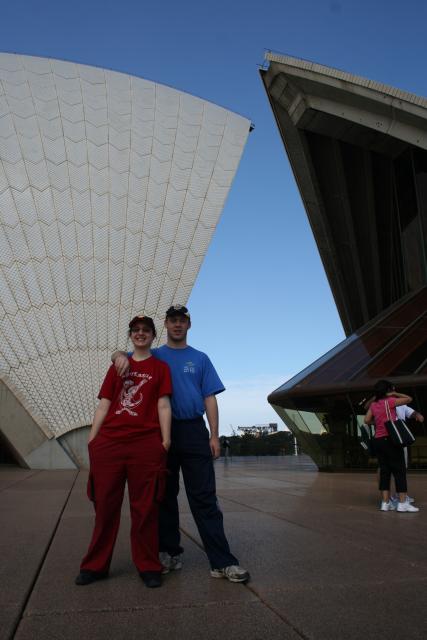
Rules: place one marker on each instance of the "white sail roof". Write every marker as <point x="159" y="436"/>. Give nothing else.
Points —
<point x="111" y="187"/>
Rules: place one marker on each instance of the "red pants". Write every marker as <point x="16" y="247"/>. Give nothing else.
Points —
<point x="140" y="460"/>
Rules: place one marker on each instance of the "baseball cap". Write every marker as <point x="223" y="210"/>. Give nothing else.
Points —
<point x="177" y="310"/>
<point x="144" y="320"/>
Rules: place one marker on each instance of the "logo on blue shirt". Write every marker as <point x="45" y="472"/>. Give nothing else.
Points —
<point x="189" y="367"/>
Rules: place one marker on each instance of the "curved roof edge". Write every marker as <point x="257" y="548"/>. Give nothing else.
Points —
<point x="337" y="74"/>
<point x="131" y="75"/>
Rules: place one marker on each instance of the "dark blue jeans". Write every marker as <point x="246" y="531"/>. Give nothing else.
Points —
<point x="190" y="452"/>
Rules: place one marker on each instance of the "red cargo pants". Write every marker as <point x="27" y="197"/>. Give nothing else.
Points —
<point x="141" y="461"/>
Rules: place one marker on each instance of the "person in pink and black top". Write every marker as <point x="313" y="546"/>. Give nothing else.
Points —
<point x="391" y="458"/>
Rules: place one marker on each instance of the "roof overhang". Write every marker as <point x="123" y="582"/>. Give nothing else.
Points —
<point x="309" y="100"/>
<point x="299" y="86"/>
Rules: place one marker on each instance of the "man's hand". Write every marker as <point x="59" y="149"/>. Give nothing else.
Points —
<point x="419" y="417"/>
<point x="211" y="407"/>
<point x="215" y="446"/>
<point x="121" y="362"/>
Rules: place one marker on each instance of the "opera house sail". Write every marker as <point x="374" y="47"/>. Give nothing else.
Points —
<point x="358" y="150"/>
<point x="111" y="187"/>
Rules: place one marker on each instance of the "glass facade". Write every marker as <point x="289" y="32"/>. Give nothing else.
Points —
<point x="332" y="437"/>
<point x="324" y="405"/>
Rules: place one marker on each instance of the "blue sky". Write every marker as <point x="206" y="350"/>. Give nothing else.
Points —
<point x="261" y="306"/>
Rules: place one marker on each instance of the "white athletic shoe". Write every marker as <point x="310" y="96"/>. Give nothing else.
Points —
<point x="234" y="573"/>
<point x="170" y="563"/>
<point x="407" y="507"/>
<point x="387" y="506"/>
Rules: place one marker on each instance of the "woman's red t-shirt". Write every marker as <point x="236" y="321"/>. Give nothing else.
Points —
<point x="134" y="398"/>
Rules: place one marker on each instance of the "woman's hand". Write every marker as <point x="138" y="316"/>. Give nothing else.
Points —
<point x="99" y="417"/>
<point x="166" y="444"/>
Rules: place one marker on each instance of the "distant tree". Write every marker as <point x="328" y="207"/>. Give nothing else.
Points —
<point x="279" y="443"/>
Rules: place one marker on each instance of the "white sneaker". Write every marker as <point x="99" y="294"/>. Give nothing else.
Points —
<point x="387" y="506"/>
<point x="234" y="573"/>
<point x="406" y="507"/>
<point x="170" y="563"/>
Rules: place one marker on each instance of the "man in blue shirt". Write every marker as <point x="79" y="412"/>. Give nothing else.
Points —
<point x="195" y="384"/>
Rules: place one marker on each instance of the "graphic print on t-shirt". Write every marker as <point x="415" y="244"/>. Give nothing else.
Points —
<point x="189" y="367"/>
<point x="131" y="395"/>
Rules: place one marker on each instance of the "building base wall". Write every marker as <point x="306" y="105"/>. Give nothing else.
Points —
<point x="26" y="436"/>
<point x="75" y="444"/>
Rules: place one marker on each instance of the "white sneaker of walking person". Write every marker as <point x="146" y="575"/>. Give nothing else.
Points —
<point x="233" y="573"/>
<point x="387" y="506"/>
<point x="406" y="507"/>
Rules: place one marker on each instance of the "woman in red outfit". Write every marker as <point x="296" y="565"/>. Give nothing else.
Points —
<point x="391" y="458"/>
<point x="128" y="441"/>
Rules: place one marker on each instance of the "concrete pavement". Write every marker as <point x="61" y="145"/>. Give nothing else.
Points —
<point x="325" y="563"/>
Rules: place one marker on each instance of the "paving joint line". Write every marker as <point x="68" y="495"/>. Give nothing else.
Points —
<point x="279" y="517"/>
<point x="342" y="504"/>
<point x="281" y="616"/>
<point x="43" y="558"/>
<point x="268" y="513"/>
<point x="259" y="598"/>
<point x="244" y="476"/>
<point x="20" y="480"/>
<point x="148" y="607"/>
<point x="283" y="492"/>
<point x="360" y="546"/>
<point x="250" y="588"/>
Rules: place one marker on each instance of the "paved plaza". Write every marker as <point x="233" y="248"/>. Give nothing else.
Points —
<point x="325" y="563"/>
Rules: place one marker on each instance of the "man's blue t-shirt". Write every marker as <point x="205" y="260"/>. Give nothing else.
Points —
<point x="193" y="379"/>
